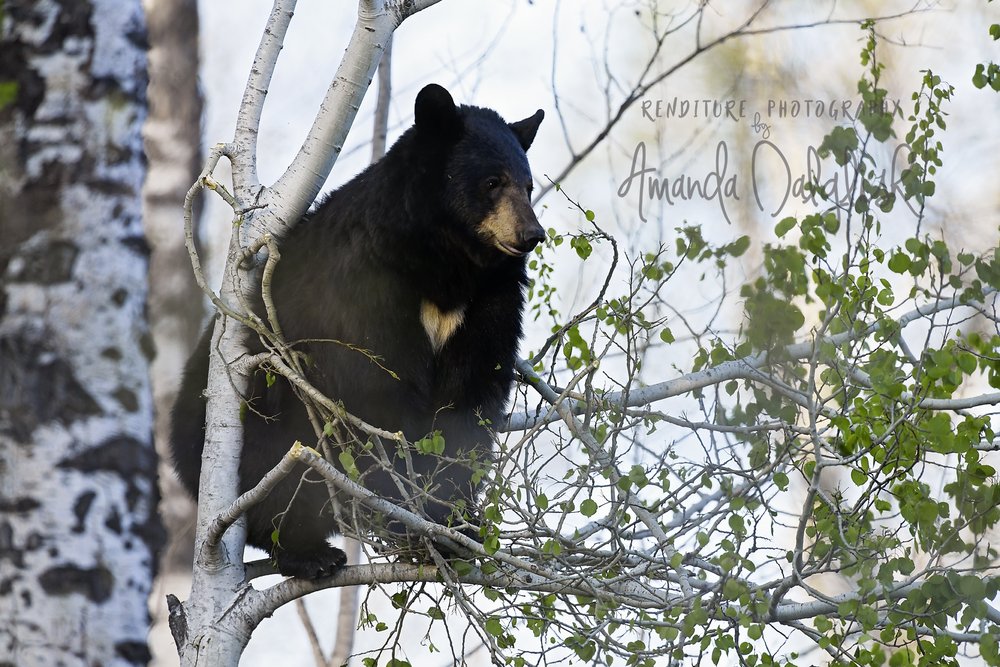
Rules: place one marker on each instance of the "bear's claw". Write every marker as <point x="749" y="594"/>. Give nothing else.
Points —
<point x="315" y="565"/>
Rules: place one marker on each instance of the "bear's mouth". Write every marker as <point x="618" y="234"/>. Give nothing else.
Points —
<point x="509" y="250"/>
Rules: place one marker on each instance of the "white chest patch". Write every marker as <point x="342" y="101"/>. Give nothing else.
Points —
<point x="440" y="325"/>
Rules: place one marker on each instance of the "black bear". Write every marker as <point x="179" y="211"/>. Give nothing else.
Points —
<point x="416" y="266"/>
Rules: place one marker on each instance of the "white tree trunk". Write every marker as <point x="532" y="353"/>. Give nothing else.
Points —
<point x="78" y="523"/>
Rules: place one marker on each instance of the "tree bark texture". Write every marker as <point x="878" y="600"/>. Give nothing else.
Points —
<point x="79" y="531"/>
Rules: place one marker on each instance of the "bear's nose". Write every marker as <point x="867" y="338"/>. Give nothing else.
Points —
<point x="532" y="236"/>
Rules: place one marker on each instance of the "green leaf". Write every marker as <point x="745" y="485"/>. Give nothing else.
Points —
<point x="582" y="246"/>
<point x="491" y="544"/>
<point x="493" y="627"/>
<point x="967" y="362"/>
<point x="899" y="263"/>
<point x="841" y="142"/>
<point x="667" y="336"/>
<point x="781" y="480"/>
<point x="979" y="79"/>
<point x="348" y="464"/>
<point x="431" y="444"/>
<point x="785" y="226"/>
<point x="972" y="587"/>
<point x="990" y="648"/>
<point x="588" y="508"/>
<point x="739" y="246"/>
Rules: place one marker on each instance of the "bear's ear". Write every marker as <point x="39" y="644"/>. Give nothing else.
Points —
<point x="435" y="111"/>
<point x="526" y="129"/>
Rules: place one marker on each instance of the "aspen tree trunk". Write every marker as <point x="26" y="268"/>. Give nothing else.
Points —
<point x="78" y="525"/>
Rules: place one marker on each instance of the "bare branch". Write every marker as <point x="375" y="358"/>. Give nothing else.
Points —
<point x="243" y="150"/>
<point x="299" y="185"/>
<point x="253" y="496"/>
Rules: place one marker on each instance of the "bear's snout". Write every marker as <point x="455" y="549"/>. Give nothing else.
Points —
<point x="512" y="227"/>
<point x="531" y="235"/>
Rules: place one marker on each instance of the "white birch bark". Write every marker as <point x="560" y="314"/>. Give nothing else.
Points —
<point x="78" y="523"/>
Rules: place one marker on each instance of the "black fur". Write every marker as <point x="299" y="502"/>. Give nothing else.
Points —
<point x="356" y="270"/>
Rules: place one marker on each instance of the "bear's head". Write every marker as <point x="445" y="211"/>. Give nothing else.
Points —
<point x="487" y="181"/>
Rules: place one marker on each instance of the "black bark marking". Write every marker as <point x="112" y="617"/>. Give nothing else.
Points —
<point x="30" y="210"/>
<point x="73" y="20"/>
<point x="137" y="244"/>
<point x="95" y="583"/>
<point x="37" y="387"/>
<point x="153" y="534"/>
<point x="48" y="264"/>
<point x="133" y="462"/>
<point x="136" y="653"/>
<point x="114" y="521"/>
<point x="34" y="542"/>
<point x="21" y="505"/>
<point x="7" y="548"/>
<point x="81" y="508"/>
<point x="127" y="399"/>
<point x="147" y="347"/>
<point x="122" y="455"/>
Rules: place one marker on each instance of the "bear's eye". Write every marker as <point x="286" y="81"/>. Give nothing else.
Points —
<point x="492" y="183"/>
<point x="530" y="188"/>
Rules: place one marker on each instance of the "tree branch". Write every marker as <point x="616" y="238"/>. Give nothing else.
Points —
<point x="749" y="368"/>
<point x="295" y="190"/>
<point x="243" y="150"/>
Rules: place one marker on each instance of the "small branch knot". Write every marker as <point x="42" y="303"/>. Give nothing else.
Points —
<point x="177" y="620"/>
